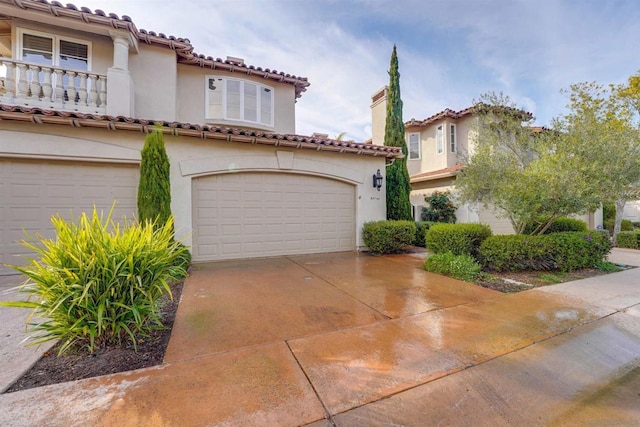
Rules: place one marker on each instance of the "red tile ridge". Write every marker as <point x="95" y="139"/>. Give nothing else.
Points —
<point x="76" y="119"/>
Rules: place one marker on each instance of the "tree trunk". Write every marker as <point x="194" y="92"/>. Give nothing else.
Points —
<point x="619" y="212"/>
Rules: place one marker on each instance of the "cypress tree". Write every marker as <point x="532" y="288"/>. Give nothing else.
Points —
<point x="398" y="185"/>
<point x="154" y="189"/>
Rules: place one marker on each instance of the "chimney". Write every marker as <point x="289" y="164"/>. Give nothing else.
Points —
<point x="235" y="61"/>
<point x="378" y="115"/>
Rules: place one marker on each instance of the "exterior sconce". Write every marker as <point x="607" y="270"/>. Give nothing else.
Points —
<point x="377" y="180"/>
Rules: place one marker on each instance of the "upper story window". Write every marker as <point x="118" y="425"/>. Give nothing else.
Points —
<point x="414" y="146"/>
<point x="47" y="49"/>
<point x="452" y="138"/>
<point x="240" y="100"/>
<point x="439" y="140"/>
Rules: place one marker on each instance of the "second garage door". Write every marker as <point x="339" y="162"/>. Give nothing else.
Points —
<point x="247" y="215"/>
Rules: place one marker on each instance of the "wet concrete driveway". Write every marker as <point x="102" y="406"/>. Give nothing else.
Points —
<point x="349" y="339"/>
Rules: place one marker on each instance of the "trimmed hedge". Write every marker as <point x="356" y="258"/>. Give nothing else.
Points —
<point x="628" y="239"/>
<point x="462" y="267"/>
<point x="561" y="225"/>
<point x="459" y="239"/>
<point x="557" y="251"/>
<point x="388" y="237"/>
<point x="421" y="230"/>
<point x="625" y="225"/>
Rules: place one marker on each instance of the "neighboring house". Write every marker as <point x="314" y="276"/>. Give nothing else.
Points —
<point x="437" y="147"/>
<point x="78" y="91"/>
<point x="632" y="211"/>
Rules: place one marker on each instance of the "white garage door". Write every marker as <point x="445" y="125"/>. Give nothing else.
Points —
<point x="247" y="215"/>
<point x="498" y="225"/>
<point x="33" y="190"/>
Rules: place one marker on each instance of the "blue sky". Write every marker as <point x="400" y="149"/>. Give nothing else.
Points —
<point x="450" y="51"/>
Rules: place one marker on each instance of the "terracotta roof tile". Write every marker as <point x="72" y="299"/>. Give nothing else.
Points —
<point x="440" y="173"/>
<point x="75" y="119"/>
<point x="181" y="46"/>
<point x="448" y="113"/>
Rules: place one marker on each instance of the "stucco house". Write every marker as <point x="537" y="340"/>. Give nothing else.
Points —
<point x="437" y="146"/>
<point x="80" y="88"/>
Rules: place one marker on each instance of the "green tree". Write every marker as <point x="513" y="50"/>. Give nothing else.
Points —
<point x="398" y="185"/>
<point x="518" y="171"/>
<point x="601" y="132"/>
<point x="439" y="208"/>
<point x="154" y="189"/>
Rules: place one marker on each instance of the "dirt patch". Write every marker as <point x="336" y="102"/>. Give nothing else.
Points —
<point x="53" y="369"/>
<point x="512" y="282"/>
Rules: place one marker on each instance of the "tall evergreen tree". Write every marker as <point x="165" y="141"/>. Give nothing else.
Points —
<point x="154" y="189"/>
<point x="398" y="186"/>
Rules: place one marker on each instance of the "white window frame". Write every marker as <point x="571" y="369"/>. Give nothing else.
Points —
<point x="452" y="138"/>
<point x="440" y="139"/>
<point x="417" y="141"/>
<point x="260" y="88"/>
<point x="56" y="46"/>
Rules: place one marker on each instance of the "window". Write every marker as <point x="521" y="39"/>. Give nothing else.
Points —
<point x="414" y="146"/>
<point x="240" y="100"/>
<point x="439" y="140"/>
<point x="452" y="138"/>
<point x="46" y="49"/>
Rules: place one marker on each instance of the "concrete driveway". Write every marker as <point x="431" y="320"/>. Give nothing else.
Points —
<point x="349" y="339"/>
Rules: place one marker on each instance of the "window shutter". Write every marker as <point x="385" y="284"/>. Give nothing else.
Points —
<point x="75" y="50"/>
<point x="37" y="43"/>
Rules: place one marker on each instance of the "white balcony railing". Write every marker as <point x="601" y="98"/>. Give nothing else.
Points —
<point x="50" y="87"/>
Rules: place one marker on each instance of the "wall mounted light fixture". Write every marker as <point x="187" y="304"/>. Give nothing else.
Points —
<point x="377" y="180"/>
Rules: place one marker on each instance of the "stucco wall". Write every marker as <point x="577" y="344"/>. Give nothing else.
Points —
<point x="191" y="88"/>
<point x="192" y="157"/>
<point x="153" y="71"/>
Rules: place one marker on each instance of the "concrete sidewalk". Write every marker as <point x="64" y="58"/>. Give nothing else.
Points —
<point x="348" y="339"/>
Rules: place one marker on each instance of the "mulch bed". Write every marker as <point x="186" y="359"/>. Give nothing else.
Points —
<point x="512" y="282"/>
<point x="53" y="369"/>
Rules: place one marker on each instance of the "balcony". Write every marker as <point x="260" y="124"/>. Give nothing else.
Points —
<point x="54" y="88"/>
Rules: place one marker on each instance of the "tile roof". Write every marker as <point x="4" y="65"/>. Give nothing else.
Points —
<point x="181" y="46"/>
<point x="437" y="174"/>
<point x="448" y="113"/>
<point x="75" y="119"/>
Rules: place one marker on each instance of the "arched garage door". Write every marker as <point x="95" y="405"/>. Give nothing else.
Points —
<point x="248" y="215"/>
<point x="33" y="190"/>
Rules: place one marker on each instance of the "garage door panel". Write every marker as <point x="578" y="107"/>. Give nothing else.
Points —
<point x="34" y="190"/>
<point x="271" y="214"/>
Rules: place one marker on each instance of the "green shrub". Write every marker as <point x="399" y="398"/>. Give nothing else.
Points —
<point x="421" y="230"/>
<point x="566" y="224"/>
<point x="439" y="208"/>
<point x="608" y="267"/>
<point x="628" y="239"/>
<point x="98" y="282"/>
<point x="388" y="237"/>
<point x="559" y="225"/>
<point x="557" y="251"/>
<point x="625" y="225"/>
<point x="458" y="239"/>
<point x="462" y="267"/>
<point x="608" y="211"/>
<point x="183" y="261"/>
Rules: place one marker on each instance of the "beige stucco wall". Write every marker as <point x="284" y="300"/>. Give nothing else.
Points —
<point x="191" y="88"/>
<point x="154" y="73"/>
<point x="192" y="157"/>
